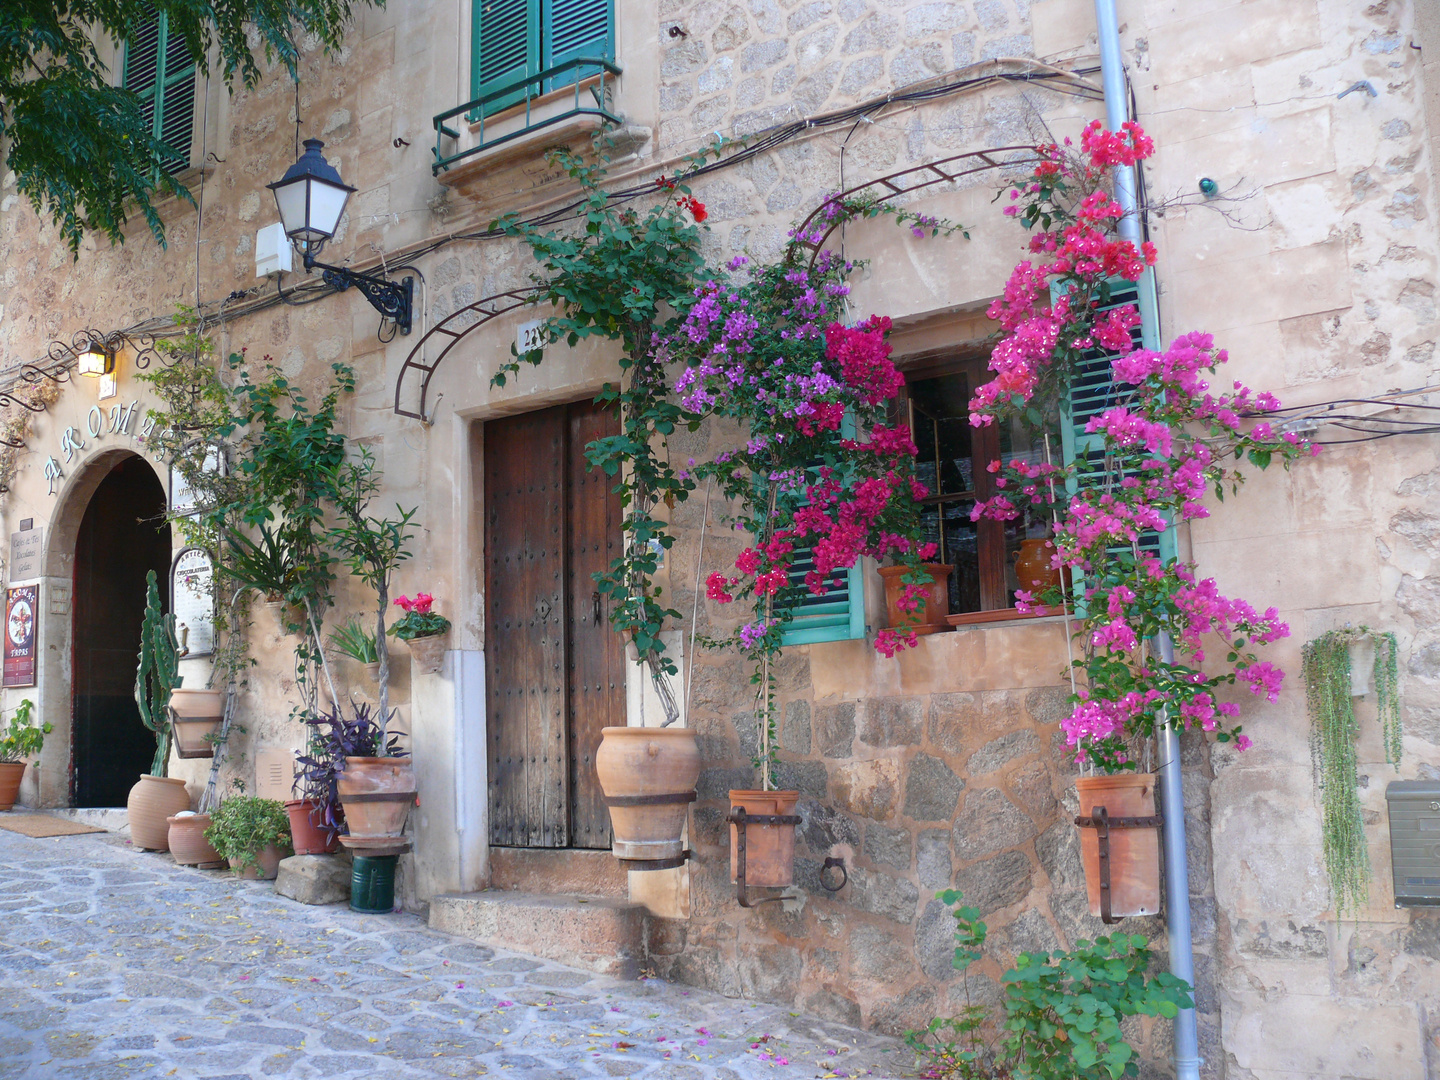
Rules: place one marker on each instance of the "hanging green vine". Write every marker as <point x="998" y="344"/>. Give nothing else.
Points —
<point x="1333" y="733"/>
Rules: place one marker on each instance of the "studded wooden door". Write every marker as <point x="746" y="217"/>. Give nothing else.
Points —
<point x="555" y="671"/>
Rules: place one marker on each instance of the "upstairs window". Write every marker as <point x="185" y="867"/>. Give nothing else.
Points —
<point x="159" y="69"/>
<point x="515" y="40"/>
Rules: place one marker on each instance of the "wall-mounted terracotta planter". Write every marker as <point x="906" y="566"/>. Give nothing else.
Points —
<point x="648" y="775"/>
<point x="188" y="845"/>
<point x="1134" y="853"/>
<point x="377" y="793"/>
<point x="427" y="654"/>
<point x="936" y="601"/>
<point x="198" y="713"/>
<point x="769" y="849"/>
<point x="11" y="773"/>
<point x="152" y="802"/>
<point x="308" y="837"/>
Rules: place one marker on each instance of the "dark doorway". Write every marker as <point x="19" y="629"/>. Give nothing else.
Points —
<point x="123" y="535"/>
<point x="555" y="671"/>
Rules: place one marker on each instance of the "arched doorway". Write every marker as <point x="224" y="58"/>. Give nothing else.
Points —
<point x="122" y="536"/>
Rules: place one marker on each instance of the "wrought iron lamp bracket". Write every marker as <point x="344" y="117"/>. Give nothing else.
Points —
<point x="394" y="300"/>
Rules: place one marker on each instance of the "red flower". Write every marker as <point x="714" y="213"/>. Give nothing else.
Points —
<point x="695" y="206"/>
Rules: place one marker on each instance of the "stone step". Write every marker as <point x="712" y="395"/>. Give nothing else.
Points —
<point x="561" y="871"/>
<point x="600" y="933"/>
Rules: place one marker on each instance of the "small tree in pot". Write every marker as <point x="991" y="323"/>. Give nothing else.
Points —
<point x="22" y="740"/>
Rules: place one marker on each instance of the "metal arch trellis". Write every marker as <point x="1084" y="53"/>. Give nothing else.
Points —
<point x="948" y="170"/>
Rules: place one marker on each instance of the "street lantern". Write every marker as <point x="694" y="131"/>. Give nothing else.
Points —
<point x="311" y="198"/>
<point x="96" y="360"/>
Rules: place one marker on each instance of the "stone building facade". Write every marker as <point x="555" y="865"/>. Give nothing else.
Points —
<point x="1316" y="268"/>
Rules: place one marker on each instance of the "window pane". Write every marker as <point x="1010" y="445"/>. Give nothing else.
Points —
<point x="944" y="463"/>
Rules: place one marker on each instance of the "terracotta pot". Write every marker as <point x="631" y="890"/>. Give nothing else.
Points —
<point x="308" y="837"/>
<point x="269" y="859"/>
<point x="151" y="803"/>
<point x="11" y="773"/>
<point x="1134" y="853"/>
<point x="936" y="601"/>
<point x="769" y="849"/>
<point x="377" y="793"/>
<point x="427" y="654"/>
<point x="643" y="762"/>
<point x="372" y="670"/>
<point x="1033" y="568"/>
<point x="188" y="845"/>
<point x="197" y="713"/>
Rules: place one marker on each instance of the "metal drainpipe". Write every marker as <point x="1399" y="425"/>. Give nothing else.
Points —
<point x="1172" y="796"/>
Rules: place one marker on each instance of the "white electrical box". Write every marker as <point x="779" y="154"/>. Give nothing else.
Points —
<point x="272" y="251"/>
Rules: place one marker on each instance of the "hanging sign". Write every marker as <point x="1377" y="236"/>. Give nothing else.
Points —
<point x="191" y="586"/>
<point x="21" y="604"/>
<point x="26" y="547"/>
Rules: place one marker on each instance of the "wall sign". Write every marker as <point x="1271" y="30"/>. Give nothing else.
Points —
<point x="183" y="500"/>
<point x="26" y="547"/>
<point x="191" y="589"/>
<point x="21" y="605"/>
<point x="119" y="420"/>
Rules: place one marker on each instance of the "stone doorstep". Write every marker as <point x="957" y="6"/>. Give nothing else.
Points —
<point x="603" y="934"/>
<point x="109" y="818"/>
<point x="558" y="871"/>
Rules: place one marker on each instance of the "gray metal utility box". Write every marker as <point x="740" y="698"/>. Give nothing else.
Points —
<point x="1415" y="841"/>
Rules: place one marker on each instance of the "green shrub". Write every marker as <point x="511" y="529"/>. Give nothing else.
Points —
<point x="243" y="826"/>
<point x="23" y="739"/>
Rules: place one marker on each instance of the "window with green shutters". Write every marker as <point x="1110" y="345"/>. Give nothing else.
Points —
<point x="159" y="69"/>
<point x="838" y="614"/>
<point x="516" y="40"/>
<point x="1092" y="391"/>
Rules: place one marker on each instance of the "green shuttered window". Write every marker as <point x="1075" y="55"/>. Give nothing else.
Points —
<point x="1092" y="391"/>
<point x="159" y="69"/>
<point x="513" y="40"/>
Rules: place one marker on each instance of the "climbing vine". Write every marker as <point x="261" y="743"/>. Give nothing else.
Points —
<point x="1333" y="732"/>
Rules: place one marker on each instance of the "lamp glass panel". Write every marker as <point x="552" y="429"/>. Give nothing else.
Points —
<point x="327" y="203"/>
<point x="290" y="200"/>
<point x="92" y="363"/>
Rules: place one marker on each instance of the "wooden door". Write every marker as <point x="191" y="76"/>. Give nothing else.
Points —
<point x="555" y="671"/>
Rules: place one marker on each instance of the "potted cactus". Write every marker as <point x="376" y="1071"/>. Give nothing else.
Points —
<point x="157" y="796"/>
<point x="21" y="741"/>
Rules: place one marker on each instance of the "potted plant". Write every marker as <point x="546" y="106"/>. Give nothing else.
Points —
<point x="932" y="604"/>
<point x="354" y="641"/>
<point x="253" y="834"/>
<point x="424" y="631"/>
<point x="22" y="740"/>
<point x="188" y="845"/>
<point x="357" y="768"/>
<point x="316" y="817"/>
<point x="157" y="796"/>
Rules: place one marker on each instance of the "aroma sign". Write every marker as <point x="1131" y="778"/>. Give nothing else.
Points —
<point x="119" y="420"/>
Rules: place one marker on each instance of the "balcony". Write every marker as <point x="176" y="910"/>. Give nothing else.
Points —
<point x="532" y="105"/>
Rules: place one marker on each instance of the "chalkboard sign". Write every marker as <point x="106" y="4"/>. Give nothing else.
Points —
<point x="192" y="586"/>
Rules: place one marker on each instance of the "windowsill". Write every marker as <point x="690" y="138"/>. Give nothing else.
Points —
<point x="535" y="103"/>
<point x="1003" y="615"/>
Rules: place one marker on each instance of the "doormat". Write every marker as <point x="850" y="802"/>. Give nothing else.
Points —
<point x="44" y="825"/>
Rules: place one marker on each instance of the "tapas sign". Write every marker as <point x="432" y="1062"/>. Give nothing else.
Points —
<point x="22" y="602"/>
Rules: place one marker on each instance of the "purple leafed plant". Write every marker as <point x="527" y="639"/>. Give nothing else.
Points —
<point x="334" y="737"/>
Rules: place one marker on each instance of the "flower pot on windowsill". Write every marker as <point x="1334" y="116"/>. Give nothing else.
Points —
<point x="648" y="776"/>
<point x="11" y="773"/>
<point x="427" y="654"/>
<point x="376" y="794"/>
<point x="769" y="849"/>
<point x="1134" y="853"/>
<point x="935" y="603"/>
<point x="197" y="713"/>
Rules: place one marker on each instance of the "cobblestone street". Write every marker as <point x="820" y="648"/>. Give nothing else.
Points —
<point x="117" y="963"/>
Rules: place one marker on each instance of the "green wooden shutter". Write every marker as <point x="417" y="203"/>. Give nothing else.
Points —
<point x="504" y="49"/>
<point x="575" y="28"/>
<point x="1092" y="391"/>
<point x="160" y="70"/>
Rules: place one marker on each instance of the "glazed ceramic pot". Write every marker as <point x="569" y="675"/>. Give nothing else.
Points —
<point x="936" y="601"/>
<point x="769" y="849"/>
<point x="188" y="845"/>
<point x="152" y="802"/>
<point x="308" y="837"/>
<point x="11" y="773"/>
<point x="377" y="793"/>
<point x="427" y="654"/>
<point x="1134" y="853"/>
<point x="1034" y="569"/>
<point x="648" y="775"/>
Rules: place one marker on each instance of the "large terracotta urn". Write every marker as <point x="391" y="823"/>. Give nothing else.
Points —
<point x="648" y="775"/>
<point x="1134" y="853"/>
<point x="188" y="845"/>
<point x="152" y="802"/>
<point x="377" y="793"/>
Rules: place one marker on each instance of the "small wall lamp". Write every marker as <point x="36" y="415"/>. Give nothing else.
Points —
<point x="96" y="360"/>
